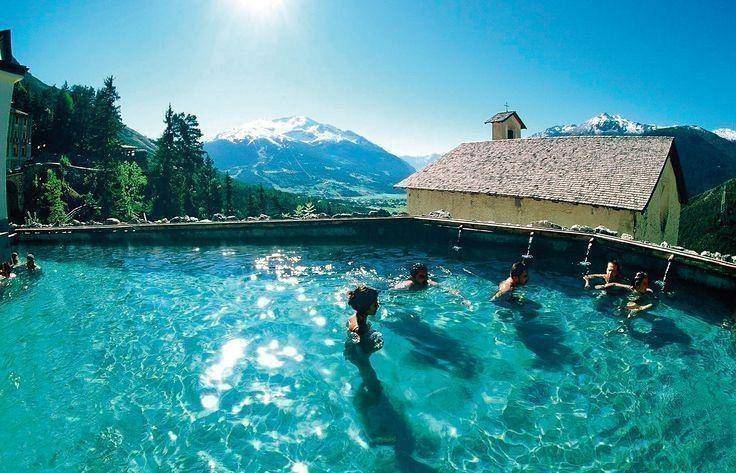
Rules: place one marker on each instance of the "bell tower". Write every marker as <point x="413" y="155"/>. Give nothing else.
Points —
<point x="506" y="125"/>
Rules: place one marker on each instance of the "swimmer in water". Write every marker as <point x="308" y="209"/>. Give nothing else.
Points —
<point x="31" y="263"/>
<point x="364" y="300"/>
<point x="6" y="271"/>
<point x="518" y="276"/>
<point x="418" y="279"/>
<point x="640" y="293"/>
<point x="14" y="260"/>
<point x="612" y="275"/>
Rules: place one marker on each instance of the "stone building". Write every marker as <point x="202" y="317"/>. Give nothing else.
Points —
<point x="631" y="184"/>
<point x="19" y="140"/>
<point x="10" y="73"/>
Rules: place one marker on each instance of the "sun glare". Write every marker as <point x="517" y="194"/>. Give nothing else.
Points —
<point x="261" y="8"/>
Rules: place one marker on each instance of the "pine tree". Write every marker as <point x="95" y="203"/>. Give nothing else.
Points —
<point x="106" y="126"/>
<point x="229" y="210"/>
<point x="189" y="161"/>
<point x="104" y="143"/>
<point x="61" y="137"/>
<point x="163" y="195"/>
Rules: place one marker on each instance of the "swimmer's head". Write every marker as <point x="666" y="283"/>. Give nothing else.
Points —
<point x="30" y="261"/>
<point x="419" y="273"/>
<point x="641" y="281"/>
<point x="519" y="274"/>
<point x="364" y="300"/>
<point x="14" y="258"/>
<point x="613" y="269"/>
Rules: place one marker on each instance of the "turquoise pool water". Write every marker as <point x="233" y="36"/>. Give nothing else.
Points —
<point x="227" y="358"/>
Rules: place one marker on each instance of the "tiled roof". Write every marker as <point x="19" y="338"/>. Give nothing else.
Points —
<point x="503" y="116"/>
<point x="619" y="172"/>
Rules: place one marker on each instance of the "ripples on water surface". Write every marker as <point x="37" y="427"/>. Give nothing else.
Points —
<point x="231" y="358"/>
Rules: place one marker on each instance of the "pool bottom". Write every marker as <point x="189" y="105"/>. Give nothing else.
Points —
<point x="232" y="358"/>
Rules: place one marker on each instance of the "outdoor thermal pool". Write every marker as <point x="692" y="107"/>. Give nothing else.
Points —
<point x="227" y="358"/>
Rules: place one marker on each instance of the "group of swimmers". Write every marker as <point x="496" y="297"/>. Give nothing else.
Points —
<point x="364" y="300"/>
<point x="8" y="268"/>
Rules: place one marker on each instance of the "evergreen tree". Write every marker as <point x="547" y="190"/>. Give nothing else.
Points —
<point x="61" y="138"/>
<point x="210" y="196"/>
<point x="229" y="210"/>
<point x="190" y="161"/>
<point x="53" y="206"/>
<point x="81" y="121"/>
<point x="106" y="126"/>
<point x="104" y="143"/>
<point x="127" y="190"/>
<point x="163" y="173"/>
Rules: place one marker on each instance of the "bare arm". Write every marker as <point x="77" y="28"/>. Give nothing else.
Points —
<point x="588" y="277"/>
<point x="614" y="284"/>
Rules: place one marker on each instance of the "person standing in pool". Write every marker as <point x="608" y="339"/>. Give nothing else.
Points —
<point x="641" y="296"/>
<point x="364" y="300"/>
<point x="418" y="279"/>
<point x="518" y="276"/>
<point x="31" y="263"/>
<point x="612" y="275"/>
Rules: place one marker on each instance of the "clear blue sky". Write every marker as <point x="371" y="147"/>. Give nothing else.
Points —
<point x="413" y="76"/>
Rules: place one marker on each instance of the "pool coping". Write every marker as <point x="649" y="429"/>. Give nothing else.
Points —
<point x="68" y="233"/>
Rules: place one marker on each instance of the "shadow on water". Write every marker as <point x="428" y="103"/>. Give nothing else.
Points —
<point x="433" y="347"/>
<point x="546" y="342"/>
<point x="663" y="332"/>
<point x="383" y="423"/>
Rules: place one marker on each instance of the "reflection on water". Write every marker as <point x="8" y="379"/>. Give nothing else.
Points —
<point x="230" y="358"/>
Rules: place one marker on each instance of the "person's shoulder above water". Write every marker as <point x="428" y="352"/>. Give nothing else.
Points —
<point x="518" y="276"/>
<point x="31" y="263"/>
<point x="418" y="279"/>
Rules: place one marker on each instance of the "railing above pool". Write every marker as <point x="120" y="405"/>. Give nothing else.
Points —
<point x="456" y="234"/>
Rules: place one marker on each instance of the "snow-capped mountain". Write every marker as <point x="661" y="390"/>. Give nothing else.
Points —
<point x="288" y="129"/>
<point x="298" y="154"/>
<point x="726" y="133"/>
<point x="603" y="124"/>
<point x="420" y="162"/>
<point x="708" y="158"/>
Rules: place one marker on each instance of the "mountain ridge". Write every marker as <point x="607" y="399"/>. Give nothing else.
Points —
<point x="707" y="159"/>
<point x="299" y="154"/>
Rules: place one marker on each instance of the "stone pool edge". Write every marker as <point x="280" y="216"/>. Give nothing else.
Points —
<point x="720" y="274"/>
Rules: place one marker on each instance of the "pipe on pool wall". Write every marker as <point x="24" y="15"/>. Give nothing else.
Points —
<point x="398" y="230"/>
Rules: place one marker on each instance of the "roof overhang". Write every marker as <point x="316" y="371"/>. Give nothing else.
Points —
<point x="7" y="61"/>
<point x="511" y="114"/>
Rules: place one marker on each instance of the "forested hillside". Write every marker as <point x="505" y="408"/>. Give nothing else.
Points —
<point x="708" y="221"/>
<point x="81" y="128"/>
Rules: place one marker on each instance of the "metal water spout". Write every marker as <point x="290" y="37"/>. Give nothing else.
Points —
<point x="528" y="255"/>
<point x="457" y="246"/>
<point x="586" y="262"/>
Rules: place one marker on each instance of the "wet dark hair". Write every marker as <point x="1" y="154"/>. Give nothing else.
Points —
<point x="30" y="256"/>
<point x="417" y="267"/>
<point x="639" y="277"/>
<point x="7" y="268"/>
<point x="615" y="262"/>
<point x="362" y="298"/>
<point x="517" y="269"/>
